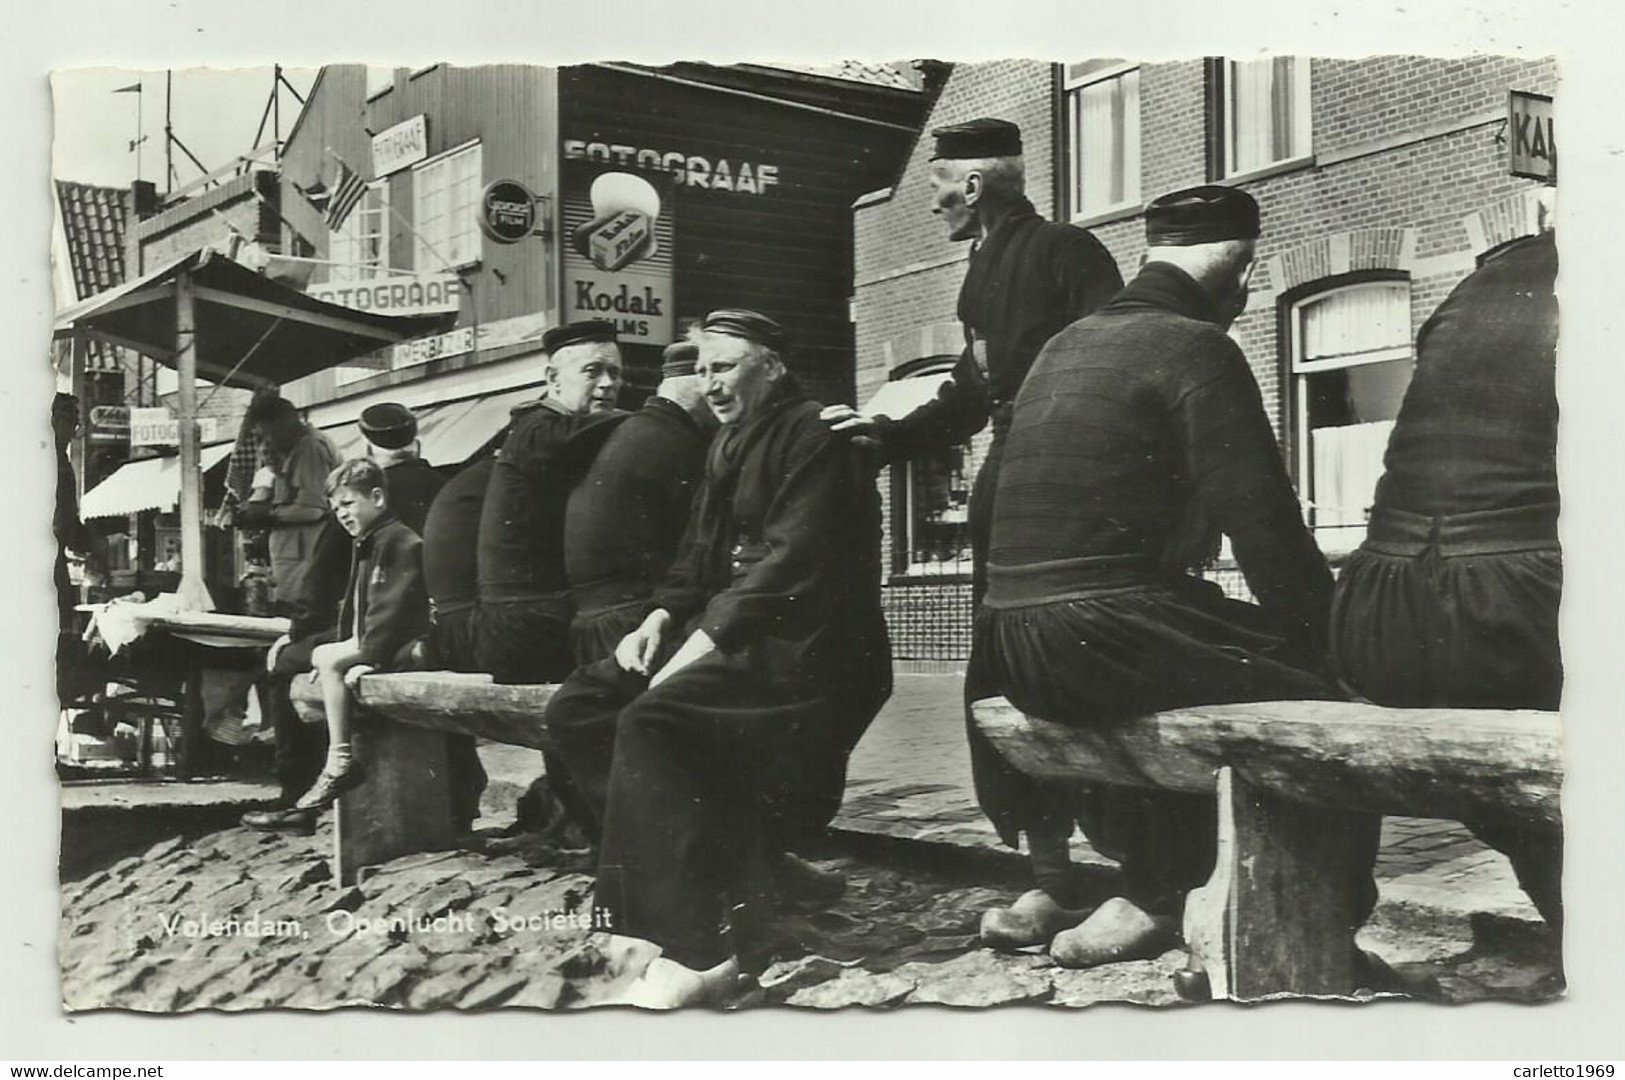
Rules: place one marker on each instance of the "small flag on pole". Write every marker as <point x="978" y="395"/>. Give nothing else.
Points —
<point x="133" y="88"/>
<point x="346" y="193"/>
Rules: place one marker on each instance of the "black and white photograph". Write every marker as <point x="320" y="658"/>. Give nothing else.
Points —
<point x="835" y="535"/>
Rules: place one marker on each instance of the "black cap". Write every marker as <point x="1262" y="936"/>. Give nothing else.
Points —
<point x="984" y="138"/>
<point x="577" y="332"/>
<point x="1201" y="215"/>
<point x="389" y="425"/>
<point x="749" y="325"/>
<point x="679" y="359"/>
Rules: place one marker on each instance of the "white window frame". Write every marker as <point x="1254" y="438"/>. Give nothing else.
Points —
<point x="1128" y="153"/>
<point x="423" y="259"/>
<point x="1333" y="538"/>
<point x="1302" y="120"/>
<point x="351" y="234"/>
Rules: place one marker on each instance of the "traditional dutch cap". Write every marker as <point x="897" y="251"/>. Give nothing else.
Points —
<point x="984" y="138"/>
<point x="577" y="332"/>
<point x="1201" y="215"/>
<point x="749" y="325"/>
<point x="389" y="426"/>
<point x="678" y="359"/>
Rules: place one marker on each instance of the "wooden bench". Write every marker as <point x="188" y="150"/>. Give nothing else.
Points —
<point x="1294" y="780"/>
<point x="404" y="803"/>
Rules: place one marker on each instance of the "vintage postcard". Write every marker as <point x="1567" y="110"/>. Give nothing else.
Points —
<point x="859" y="534"/>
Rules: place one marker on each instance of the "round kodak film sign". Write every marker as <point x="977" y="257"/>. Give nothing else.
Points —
<point x="507" y="211"/>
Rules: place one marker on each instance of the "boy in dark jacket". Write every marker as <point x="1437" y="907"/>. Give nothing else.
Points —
<point x="385" y="607"/>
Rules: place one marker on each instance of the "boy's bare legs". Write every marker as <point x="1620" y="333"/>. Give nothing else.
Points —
<point x="337" y="667"/>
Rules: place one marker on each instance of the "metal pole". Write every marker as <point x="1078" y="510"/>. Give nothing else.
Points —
<point x="276" y="112"/>
<point x="194" y="593"/>
<point x="169" y="136"/>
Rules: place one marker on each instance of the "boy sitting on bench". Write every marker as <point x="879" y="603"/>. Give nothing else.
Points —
<point x="385" y="608"/>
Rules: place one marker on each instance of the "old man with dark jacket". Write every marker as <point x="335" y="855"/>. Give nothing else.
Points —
<point x="720" y="730"/>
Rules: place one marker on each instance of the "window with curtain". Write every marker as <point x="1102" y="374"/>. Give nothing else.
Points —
<point x="1103" y="129"/>
<point x="1261" y="112"/>
<point x="445" y="202"/>
<point x="1352" y="360"/>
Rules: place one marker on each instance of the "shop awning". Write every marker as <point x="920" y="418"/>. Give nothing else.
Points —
<point x="897" y="399"/>
<point x="149" y="484"/>
<point x="282" y="333"/>
<point x="450" y="434"/>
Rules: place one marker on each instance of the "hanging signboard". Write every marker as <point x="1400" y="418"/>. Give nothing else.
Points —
<point x="507" y="212"/>
<point x="396" y="294"/>
<point x="156" y="427"/>
<point x="617" y="245"/>
<point x="1531" y="137"/>
<point x="394" y="148"/>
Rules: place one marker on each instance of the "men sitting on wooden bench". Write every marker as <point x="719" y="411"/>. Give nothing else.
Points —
<point x="385" y="608"/>
<point x="524" y="610"/>
<point x="627" y="515"/>
<point x="1452" y="600"/>
<point x="720" y="730"/>
<point x="1138" y="437"/>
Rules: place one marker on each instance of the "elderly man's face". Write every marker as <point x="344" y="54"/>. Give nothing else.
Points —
<point x="738" y="376"/>
<point x="948" y="191"/>
<point x="585" y="378"/>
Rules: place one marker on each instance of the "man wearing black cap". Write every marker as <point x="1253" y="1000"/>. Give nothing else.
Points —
<point x="718" y="734"/>
<point x="1139" y="437"/>
<point x="1028" y="278"/>
<point x="525" y="607"/>
<point x="391" y="432"/>
<point x="626" y="516"/>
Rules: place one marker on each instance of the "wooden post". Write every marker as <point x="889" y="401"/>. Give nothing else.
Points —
<point x="402" y="806"/>
<point x="1278" y="916"/>
<point x="194" y="593"/>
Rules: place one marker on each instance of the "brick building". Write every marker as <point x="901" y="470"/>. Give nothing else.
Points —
<point x="1382" y="181"/>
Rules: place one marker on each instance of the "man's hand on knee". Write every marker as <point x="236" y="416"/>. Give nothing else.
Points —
<point x="637" y="650"/>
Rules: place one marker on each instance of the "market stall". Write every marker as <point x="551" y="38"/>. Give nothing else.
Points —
<point x="210" y="318"/>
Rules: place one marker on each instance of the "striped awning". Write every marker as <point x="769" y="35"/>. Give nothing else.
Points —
<point x="149" y="484"/>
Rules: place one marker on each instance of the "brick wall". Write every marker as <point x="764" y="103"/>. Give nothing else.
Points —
<point x="1408" y="176"/>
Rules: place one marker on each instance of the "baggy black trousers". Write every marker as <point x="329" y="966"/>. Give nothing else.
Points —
<point x="1108" y="658"/>
<point x="1475" y="629"/>
<point x="695" y="779"/>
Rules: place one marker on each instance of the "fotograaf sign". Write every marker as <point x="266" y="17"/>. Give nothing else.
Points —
<point x="397" y="294"/>
<point x="618" y="234"/>
<point x="156" y="427"/>
<point x="1531" y="136"/>
<point x="394" y="148"/>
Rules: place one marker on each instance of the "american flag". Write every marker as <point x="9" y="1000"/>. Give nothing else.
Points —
<point x="346" y="193"/>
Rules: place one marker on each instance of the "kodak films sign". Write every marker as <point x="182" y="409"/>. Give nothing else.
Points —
<point x="618" y="251"/>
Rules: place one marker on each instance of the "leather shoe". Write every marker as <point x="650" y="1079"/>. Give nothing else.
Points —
<point x="329" y="786"/>
<point x="291" y="820"/>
